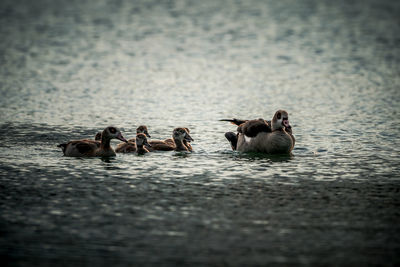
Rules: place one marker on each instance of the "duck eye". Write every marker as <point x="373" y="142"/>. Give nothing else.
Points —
<point x="113" y="130"/>
<point x="278" y="116"/>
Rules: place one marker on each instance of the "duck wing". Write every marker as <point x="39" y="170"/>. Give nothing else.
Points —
<point x="85" y="147"/>
<point x="253" y="127"/>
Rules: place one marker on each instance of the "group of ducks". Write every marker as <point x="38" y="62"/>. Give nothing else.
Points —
<point x="100" y="146"/>
<point x="271" y="137"/>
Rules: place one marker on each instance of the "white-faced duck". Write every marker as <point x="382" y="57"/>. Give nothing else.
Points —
<point x="271" y="137"/>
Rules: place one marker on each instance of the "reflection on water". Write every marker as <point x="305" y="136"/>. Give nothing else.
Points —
<point x="71" y="68"/>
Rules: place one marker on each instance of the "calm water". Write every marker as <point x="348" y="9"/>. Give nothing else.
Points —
<point x="70" y="68"/>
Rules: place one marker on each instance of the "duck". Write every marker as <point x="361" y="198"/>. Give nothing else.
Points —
<point x="128" y="147"/>
<point x="170" y="141"/>
<point x="180" y="141"/>
<point x="140" y="129"/>
<point x="271" y="137"/>
<point x="91" y="148"/>
<point x="137" y="146"/>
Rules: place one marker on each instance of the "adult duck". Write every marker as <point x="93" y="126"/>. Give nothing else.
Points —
<point x="271" y="137"/>
<point x="90" y="148"/>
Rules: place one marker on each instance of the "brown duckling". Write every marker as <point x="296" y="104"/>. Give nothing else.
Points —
<point x="141" y="142"/>
<point x="130" y="146"/>
<point x="171" y="142"/>
<point x="180" y="136"/>
<point x="90" y="148"/>
<point x="136" y="146"/>
<point x="140" y="129"/>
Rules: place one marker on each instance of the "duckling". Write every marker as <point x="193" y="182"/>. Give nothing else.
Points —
<point x="170" y="141"/>
<point x="90" y="148"/>
<point x="180" y="136"/>
<point x="140" y="129"/>
<point x="141" y="140"/>
<point x="272" y="137"/>
<point x="130" y="145"/>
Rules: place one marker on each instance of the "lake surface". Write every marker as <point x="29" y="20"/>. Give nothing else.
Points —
<point x="70" y="68"/>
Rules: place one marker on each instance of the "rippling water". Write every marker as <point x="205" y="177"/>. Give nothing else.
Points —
<point x="70" y="68"/>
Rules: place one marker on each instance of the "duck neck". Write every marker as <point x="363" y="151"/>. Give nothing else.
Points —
<point x="179" y="145"/>
<point x="276" y="128"/>
<point x="140" y="149"/>
<point x="105" y="142"/>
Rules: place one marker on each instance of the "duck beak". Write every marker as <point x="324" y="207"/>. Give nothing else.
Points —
<point x="120" y="137"/>
<point x="147" y="134"/>
<point x="188" y="137"/>
<point x="285" y="122"/>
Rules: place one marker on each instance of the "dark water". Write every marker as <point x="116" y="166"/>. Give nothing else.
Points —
<point x="70" y="68"/>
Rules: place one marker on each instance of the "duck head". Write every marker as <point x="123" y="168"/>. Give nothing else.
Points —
<point x="113" y="132"/>
<point x="143" y="129"/>
<point x="181" y="134"/>
<point x="280" y="120"/>
<point x="141" y="140"/>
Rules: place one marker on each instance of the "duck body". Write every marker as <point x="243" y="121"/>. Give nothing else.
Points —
<point x="93" y="148"/>
<point x="271" y="137"/>
<point x="128" y="147"/>
<point x="277" y="142"/>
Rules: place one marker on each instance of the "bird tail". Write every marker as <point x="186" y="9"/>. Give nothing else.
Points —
<point x="63" y="147"/>
<point x="234" y="121"/>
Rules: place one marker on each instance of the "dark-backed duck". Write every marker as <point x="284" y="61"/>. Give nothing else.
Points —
<point x="272" y="137"/>
<point x="90" y="148"/>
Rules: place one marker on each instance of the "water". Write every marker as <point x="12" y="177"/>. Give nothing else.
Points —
<point x="70" y="68"/>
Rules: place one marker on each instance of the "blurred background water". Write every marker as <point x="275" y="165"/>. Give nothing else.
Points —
<point x="70" y="68"/>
